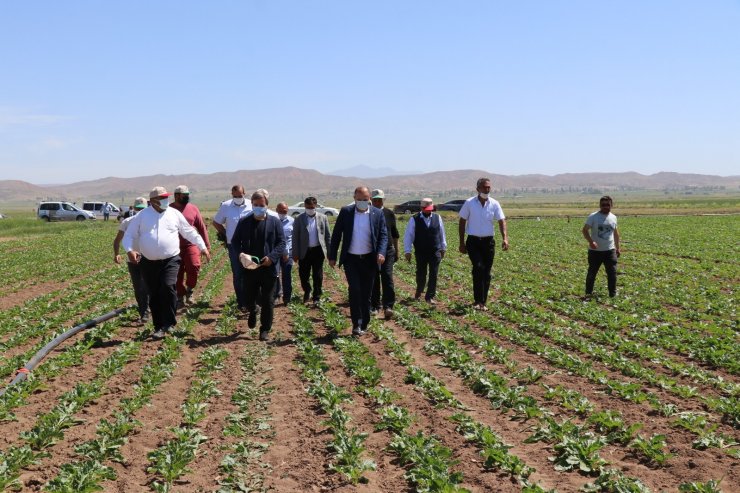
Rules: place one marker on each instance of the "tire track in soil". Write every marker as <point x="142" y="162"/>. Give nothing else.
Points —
<point x="433" y="420"/>
<point x="164" y="410"/>
<point x="710" y="463"/>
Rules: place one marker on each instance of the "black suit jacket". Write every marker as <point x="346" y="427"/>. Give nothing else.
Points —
<point x="343" y="232"/>
<point x="274" y="246"/>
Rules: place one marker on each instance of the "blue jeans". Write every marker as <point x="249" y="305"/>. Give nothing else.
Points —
<point x="284" y="284"/>
<point x="237" y="272"/>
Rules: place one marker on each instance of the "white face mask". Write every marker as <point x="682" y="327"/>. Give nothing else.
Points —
<point x="311" y="212"/>
<point x="484" y="196"/>
<point x="362" y="205"/>
<point x="164" y="203"/>
<point x="238" y="200"/>
<point x="282" y="216"/>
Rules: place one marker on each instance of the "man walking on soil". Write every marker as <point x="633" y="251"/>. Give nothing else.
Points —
<point x="311" y="239"/>
<point x="140" y="292"/>
<point x="361" y="230"/>
<point x="602" y="236"/>
<point x="260" y="241"/>
<point x="284" y="286"/>
<point x="384" y="278"/>
<point x="187" y="276"/>
<point x="157" y="231"/>
<point x="426" y="233"/>
<point x="476" y="219"/>
<point x="225" y="221"/>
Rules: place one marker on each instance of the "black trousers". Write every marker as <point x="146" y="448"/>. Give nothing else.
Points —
<point x="140" y="291"/>
<point x="481" y="251"/>
<point x="361" y="271"/>
<point x="595" y="259"/>
<point x="312" y="265"/>
<point x="258" y="288"/>
<point x="427" y="262"/>
<point x="384" y="279"/>
<point x="160" y="277"/>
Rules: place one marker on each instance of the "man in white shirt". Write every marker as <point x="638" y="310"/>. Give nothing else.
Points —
<point x="137" y="281"/>
<point x="310" y="243"/>
<point x="476" y="219"/>
<point x="426" y="233"/>
<point x="362" y="233"/>
<point x="602" y="235"/>
<point x="225" y="221"/>
<point x="157" y="229"/>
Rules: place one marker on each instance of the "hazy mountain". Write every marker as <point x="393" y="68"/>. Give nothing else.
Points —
<point x="364" y="172"/>
<point x="296" y="182"/>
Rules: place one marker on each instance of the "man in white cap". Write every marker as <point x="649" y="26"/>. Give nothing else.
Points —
<point x="385" y="275"/>
<point x="152" y="241"/>
<point x="189" y="253"/>
<point x="225" y="221"/>
<point x="134" y="270"/>
<point x="426" y="233"/>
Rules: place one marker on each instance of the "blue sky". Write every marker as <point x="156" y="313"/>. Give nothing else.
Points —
<point x="95" y="89"/>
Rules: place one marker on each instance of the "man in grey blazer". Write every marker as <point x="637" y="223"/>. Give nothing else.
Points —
<point x="311" y="236"/>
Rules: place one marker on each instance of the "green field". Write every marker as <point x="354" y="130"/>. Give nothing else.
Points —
<point x="545" y="392"/>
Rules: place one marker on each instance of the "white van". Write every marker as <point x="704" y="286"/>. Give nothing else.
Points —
<point x="97" y="208"/>
<point x="62" y="211"/>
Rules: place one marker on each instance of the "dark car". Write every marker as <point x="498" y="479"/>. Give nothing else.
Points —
<point x="409" y="207"/>
<point x="452" y="205"/>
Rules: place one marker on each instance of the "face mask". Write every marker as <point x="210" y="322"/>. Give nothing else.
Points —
<point x="484" y="196"/>
<point x="282" y="216"/>
<point x="184" y="199"/>
<point x="259" y="211"/>
<point x="362" y="205"/>
<point x="311" y="212"/>
<point x="164" y="203"/>
<point x="238" y="201"/>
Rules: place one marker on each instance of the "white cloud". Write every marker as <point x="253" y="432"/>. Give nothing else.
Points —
<point x="15" y="117"/>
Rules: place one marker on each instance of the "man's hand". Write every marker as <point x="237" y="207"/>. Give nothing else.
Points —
<point x="505" y="244"/>
<point x="619" y="252"/>
<point x="441" y="254"/>
<point x="134" y="256"/>
<point x="205" y="253"/>
<point x="286" y="258"/>
<point x="266" y="262"/>
<point x="462" y="248"/>
<point x="381" y="259"/>
<point x="296" y="259"/>
<point x="332" y="263"/>
<point x="408" y="257"/>
<point x="117" y="258"/>
<point x="593" y="245"/>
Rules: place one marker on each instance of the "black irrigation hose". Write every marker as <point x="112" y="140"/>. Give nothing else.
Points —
<point x="23" y="372"/>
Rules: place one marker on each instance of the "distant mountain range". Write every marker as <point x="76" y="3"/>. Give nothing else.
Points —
<point x="297" y="182"/>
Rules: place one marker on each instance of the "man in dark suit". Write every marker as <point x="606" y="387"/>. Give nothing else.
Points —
<point x="311" y="239"/>
<point x="260" y="241"/>
<point x="362" y="232"/>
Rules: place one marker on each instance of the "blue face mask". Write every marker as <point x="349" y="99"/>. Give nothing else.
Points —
<point x="259" y="211"/>
<point x="362" y="205"/>
<point x="164" y="203"/>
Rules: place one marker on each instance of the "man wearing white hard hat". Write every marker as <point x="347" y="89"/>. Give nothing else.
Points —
<point x="156" y="229"/>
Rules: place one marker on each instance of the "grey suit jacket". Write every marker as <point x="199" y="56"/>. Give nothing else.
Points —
<point x="300" y="234"/>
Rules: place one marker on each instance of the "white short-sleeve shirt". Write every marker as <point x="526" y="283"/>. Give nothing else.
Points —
<point x="480" y="217"/>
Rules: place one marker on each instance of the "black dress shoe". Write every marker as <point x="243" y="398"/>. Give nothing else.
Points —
<point x="252" y="320"/>
<point x="264" y="335"/>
